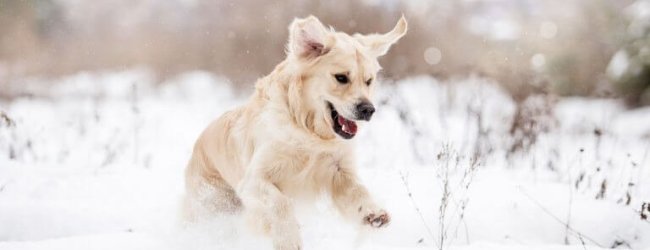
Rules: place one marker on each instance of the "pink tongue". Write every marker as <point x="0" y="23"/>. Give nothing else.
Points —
<point x="349" y="127"/>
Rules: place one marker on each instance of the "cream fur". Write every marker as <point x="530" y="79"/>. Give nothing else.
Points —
<point x="280" y="146"/>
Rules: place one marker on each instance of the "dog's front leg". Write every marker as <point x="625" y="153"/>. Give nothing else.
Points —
<point x="269" y="211"/>
<point x="353" y="200"/>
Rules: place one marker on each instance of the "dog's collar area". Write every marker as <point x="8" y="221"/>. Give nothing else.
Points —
<point x="342" y="126"/>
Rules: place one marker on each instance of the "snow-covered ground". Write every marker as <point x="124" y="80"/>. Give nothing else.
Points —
<point x="95" y="161"/>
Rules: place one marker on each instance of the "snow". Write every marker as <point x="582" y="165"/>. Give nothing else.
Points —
<point x="619" y="65"/>
<point x="95" y="161"/>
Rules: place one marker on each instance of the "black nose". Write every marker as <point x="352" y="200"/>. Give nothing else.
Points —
<point x="365" y="109"/>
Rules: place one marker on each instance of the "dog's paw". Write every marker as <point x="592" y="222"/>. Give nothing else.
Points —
<point x="377" y="219"/>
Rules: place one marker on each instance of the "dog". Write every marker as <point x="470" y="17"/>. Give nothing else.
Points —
<point x="291" y="139"/>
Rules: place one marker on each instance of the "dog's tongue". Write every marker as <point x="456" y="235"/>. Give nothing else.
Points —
<point x="348" y="126"/>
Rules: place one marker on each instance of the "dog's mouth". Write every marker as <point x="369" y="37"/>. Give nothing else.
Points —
<point x="342" y="126"/>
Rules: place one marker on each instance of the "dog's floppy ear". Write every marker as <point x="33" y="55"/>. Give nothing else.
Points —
<point x="308" y="38"/>
<point x="379" y="44"/>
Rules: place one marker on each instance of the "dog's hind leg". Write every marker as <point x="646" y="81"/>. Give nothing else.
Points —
<point x="208" y="200"/>
<point x="269" y="211"/>
<point x="208" y="194"/>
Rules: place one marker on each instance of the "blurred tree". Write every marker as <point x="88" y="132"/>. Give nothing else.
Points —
<point x="629" y="68"/>
<point x="572" y="41"/>
<point x="18" y="26"/>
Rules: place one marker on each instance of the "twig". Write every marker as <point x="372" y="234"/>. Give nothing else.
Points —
<point x="461" y="204"/>
<point x="6" y="119"/>
<point x="582" y="242"/>
<point x="417" y="209"/>
<point x="580" y="235"/>
<point x="568" y="219"/>
<point x="443" y="208"/>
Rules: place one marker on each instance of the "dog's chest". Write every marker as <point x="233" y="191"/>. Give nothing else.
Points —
<point x="312" y="161"/>
<point x="309" y="172"/>
<point x="322" y="161"/>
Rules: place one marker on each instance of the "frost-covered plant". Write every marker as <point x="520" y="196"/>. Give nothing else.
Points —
<point x="455" y="174"/>
<point x="533" y="117"/>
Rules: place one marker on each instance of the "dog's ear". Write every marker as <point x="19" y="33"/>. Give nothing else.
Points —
<point x="378" y="44"/>
<point x="308" y="38"/>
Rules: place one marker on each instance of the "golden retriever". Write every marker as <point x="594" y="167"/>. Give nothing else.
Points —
<point x="291" y="140"/>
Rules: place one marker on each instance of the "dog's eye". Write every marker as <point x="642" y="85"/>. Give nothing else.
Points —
<point x="369" y="81"/>
<point x="341" y="78"/>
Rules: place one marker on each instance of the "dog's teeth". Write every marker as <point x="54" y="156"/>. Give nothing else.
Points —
<point x="346" y="129"/>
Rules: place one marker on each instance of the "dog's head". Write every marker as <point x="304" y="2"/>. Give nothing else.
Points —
<point x="337" y="71"/>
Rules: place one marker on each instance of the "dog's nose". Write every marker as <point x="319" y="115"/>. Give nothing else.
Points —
<point x="365" y="109"/>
